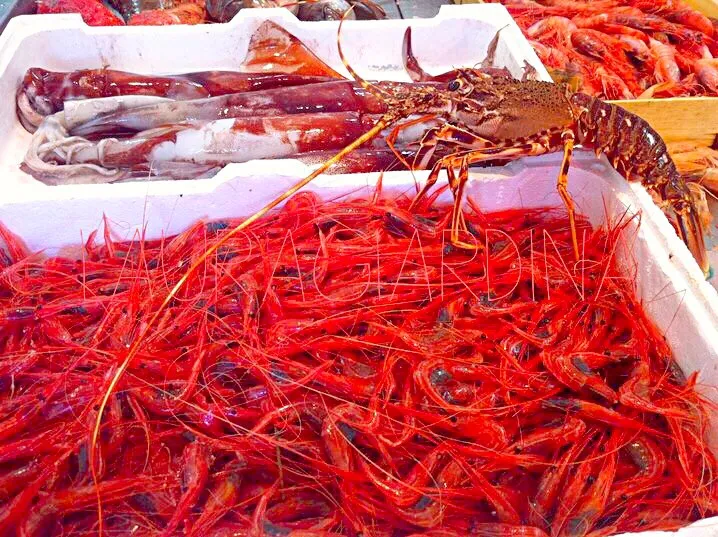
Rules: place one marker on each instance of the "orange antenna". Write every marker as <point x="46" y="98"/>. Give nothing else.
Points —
<point x="374" y="90"/>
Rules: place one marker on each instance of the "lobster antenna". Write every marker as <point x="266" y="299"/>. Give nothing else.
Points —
<point x="374" y="90"/>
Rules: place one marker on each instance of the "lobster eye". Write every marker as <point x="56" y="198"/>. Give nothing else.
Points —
<point x="454" y="85"/>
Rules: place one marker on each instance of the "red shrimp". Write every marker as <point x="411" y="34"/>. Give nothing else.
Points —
<point x="409" y="490"/>
<point x="593" y="502"/>
<point x="13" y="245"/>
<point x="73" y="500"/>
<point x="570" y="431"/>
<point x="221" y="500"/>
<point x="593" y="412"/>
<point x="666" y="69"/>
<point x="650" y="460"/>
<point x="690" y="18"/>
<point x="575" y="371"/>
<point x="429" y="510"/>
<point x="550" y="56"/>
<point x="93" y="13"/>
<point x="608" y="50"/>
<point x="505" y="511"/>
<point x="434" y="409"/>
<point x="490" y="529"/>
<point x="15" y="480"/>
<point x="574" y="489"/>
<point x="635" y="48"/>
<point x="635" y="393"/>
<point x="543" y="505"/>
<point x="707" y="73"/>
<point x="612" y="85"/>
<point x="193" y="479"/>
<point x="559" y="27"/>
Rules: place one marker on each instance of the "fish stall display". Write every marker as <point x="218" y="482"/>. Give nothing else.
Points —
<point x="340" y="369"/>
<point x="355" y="352"/>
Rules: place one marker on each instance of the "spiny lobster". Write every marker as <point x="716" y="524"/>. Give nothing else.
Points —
<point x="487" y="115"/>
<point x="502" y="118"/>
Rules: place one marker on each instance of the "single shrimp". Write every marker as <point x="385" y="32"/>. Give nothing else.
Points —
<point x="635" y="393"/>
<point x="193" y="479"/>
<point x="612" y="86"/>
<point x="550" y="56"/>
<point x="666" y="68"/>
<point x="221" y="500"/>
<point x="594" y="412"/>
<point x="593" y="502"/>
<point x="707" y="73"/>
<point x="574" y="369"/>
<point x="650" y="460"/>
<point x="494" y="529"/>
<point x="505" y="511"/>
<point x="690" y="18"/>
<point x="559" y="27"/>
<point x="570" y="431"/>
<point x="636" y="48"/>
<point x="574" y="489"/>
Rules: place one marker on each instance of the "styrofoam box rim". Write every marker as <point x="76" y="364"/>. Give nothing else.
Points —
<point x="671" y="285"/>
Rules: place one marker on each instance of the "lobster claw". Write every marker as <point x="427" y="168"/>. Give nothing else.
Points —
<point x="691" y="231"/>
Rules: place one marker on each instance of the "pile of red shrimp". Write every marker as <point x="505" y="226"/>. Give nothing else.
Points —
<point x="340" y="369"/>
<point x="623" y="49"/>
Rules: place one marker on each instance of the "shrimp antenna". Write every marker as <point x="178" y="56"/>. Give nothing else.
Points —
<point x="374" y="90"/>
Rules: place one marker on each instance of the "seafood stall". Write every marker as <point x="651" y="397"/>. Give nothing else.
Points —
<point x="368" y="278"/>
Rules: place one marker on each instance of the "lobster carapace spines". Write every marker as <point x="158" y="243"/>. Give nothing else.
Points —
<point x="510" y="119"/>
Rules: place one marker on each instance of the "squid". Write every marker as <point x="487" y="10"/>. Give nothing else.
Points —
<point x="275" y="58"/>
<point x="196" y="149"/>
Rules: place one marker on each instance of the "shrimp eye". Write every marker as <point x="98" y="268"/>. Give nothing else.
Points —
<point x="454" y="85"/>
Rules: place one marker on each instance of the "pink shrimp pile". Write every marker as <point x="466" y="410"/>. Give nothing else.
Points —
<point x="623" y="49"/>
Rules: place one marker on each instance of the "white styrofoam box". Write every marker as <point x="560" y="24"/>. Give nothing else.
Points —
<point x="457" y="36"/>
<point x="669" y="283"/>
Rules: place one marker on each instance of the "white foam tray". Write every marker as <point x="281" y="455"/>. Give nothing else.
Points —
<point x="457" y="36"/>
<point x="671" y="286"/>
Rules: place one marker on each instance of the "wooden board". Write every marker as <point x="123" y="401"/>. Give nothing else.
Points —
<point x="684" y="119"/>
<point x="707" y="7"/>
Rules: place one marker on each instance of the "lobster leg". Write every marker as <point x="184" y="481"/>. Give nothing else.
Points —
<point x="394" y="134"/>
<point x="457" y="219"/>
<point x="451" y="134"/>
<point x="562" y="186"/>
<point x="507" y="152"/>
